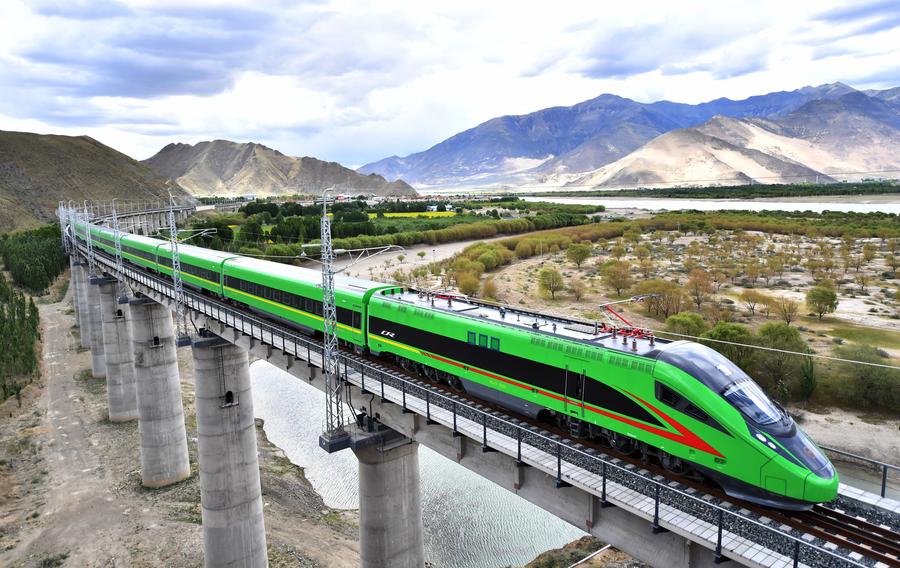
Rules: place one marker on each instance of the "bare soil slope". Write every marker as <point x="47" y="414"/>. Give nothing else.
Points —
<point x="37" y="171"/>
<point x="222" y="167"/>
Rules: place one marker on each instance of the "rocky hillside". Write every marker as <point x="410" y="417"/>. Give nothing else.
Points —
<point x="562" y="141"/>
<point x="37" y="171"/>
<point x="223" y="168"/>
<point x="821" y="139"/>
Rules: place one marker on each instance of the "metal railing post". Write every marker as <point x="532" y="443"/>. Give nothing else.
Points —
<point x="718" y="559"/>
<point x="456" y="433"/>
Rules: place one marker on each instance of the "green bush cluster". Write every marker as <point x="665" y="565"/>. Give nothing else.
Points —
<point x="748" y="192"/>
<point x="33" y="258"/>
<point x="464" y="232"/>
<point x="811" y="224"/>
<point x="19" y="330"/>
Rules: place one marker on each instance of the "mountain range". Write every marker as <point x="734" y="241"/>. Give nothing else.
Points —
<point x="611" y="140"/>
<point x="222" y="167"/>
<point x="37" y="171"/>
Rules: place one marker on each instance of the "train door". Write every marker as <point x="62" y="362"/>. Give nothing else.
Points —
<point x="574" y="389"/>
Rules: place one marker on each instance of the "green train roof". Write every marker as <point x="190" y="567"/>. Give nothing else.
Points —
<point x="532" y="322"/>
<point x="300" y="274"/>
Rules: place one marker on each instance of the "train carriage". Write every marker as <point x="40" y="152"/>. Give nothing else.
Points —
<point x="294" y="295"/>
<point x="201" y="268"/>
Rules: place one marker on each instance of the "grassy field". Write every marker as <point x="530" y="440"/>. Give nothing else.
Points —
<point x="866" y="335"/>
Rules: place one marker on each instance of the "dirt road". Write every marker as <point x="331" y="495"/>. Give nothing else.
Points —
<point x="70" y="491"/>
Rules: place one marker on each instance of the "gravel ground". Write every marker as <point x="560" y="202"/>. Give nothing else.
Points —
<point x="70" y="492"/>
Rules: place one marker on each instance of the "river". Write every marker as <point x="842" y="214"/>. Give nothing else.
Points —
<point x="469" y="521"/>
<point x="857" y="204"/>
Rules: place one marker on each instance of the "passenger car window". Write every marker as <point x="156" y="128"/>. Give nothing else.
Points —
<point x="495" y="344"/>
<point x="472" y="336"/>
<point x="482" y="340"/>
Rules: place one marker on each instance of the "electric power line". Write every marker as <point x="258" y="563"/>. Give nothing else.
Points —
<point x="776" y="350"/>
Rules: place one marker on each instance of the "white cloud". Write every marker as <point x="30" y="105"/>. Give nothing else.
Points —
<point x="356" y="81"/>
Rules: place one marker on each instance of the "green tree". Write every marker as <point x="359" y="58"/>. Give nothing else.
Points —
<point x="822" y="300"/>
<point x="867" y="386"/>
<point x="732" y="333"/>
<point x="777" y="371"/>
<point x="550" y="281"/>
<point x="690" y="324"/>
<point x="251" y="231"/>
<point x="616" y="274"/>
<point x="578" y="253"/>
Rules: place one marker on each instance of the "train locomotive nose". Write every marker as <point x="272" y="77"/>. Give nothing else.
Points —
<point x="818" y="489"/>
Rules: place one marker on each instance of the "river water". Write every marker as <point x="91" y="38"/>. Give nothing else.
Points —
<point x="861" y="204"/>
<point x="469" y="521"/>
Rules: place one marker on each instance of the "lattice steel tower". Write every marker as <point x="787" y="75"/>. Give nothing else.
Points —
<point x="334" y="437"/>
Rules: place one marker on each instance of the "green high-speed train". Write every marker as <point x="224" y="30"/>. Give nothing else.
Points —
<point x="680" y="401"/>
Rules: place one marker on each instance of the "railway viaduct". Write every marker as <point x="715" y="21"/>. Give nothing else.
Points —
<point x="133" y="345"/>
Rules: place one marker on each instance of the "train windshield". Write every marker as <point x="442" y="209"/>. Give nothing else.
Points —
<point x="724" y="377"/>
<point x="746" y="396"/>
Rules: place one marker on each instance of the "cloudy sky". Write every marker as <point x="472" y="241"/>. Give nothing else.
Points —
<point x="357" y="81"/>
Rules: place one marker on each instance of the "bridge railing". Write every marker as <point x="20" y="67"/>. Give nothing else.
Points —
<point x="723" y="518"/>
<point x="874" y="464"/>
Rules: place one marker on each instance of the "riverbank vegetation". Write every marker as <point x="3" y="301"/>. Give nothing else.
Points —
<point x="277" y="231"/>
<point x="753" y="191"/>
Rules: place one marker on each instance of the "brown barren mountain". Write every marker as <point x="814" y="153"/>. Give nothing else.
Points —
<point x="851" y="137"/>
<point x="225" y="168"/>
<point x="37" y="171"/>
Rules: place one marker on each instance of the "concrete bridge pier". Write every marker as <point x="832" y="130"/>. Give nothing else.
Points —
<point x="98" y="357"/>
<point x="234" y="533"/>
<point x="121" y="391"/>
<point x="80" y="296"/>
<point x="390" y="508"/>
<point x="73" y="276"/>
<point x="164" y="453"/>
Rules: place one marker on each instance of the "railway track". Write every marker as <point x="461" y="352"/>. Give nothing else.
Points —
<point x="857" y="534"/>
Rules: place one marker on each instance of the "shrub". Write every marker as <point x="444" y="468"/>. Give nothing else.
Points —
<point x="865" y="386"/>
<point x="468" y="283"/>
<point x="489" y="290"/>
<point x="690" y="324"/>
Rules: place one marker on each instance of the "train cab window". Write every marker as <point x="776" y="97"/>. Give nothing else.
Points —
<point x="667" y="395"/>
<point x="695" y="412"/>
<point x="495" y="344"/>
<point x="472" y="337"/>
<point x="674" y="400"/>
<point x="482" y="340"/>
